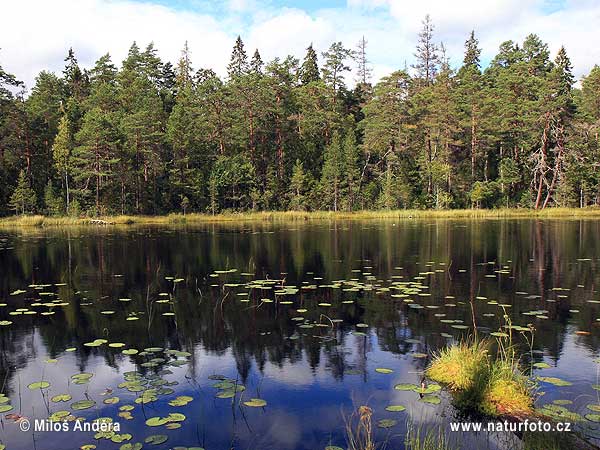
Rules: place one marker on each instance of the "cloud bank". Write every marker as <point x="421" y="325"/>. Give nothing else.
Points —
<point x="36" y="35"/>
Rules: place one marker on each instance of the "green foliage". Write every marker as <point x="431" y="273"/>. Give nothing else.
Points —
<point x="289" y="134"/>
<point x="485" y="193"/>
<point x="54" y="205"/>
<point x="23" y="198"/>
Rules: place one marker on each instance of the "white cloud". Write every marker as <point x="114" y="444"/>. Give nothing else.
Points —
<point x="37" y="34"/>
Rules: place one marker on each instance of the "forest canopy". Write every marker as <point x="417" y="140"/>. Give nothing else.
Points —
<point x="152" y="137"/>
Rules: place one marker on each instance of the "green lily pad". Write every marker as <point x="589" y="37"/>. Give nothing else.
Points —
<point x="129" y="446"/>
<point x="395" y="408"/>
<point x="405" y="387"/>
<point x="181" y="400"/>
<point x="256" y="403"/>
<point x="156" y="439"/>
<point x="175" y="417"/>
<point x="386" y="423"/>
<point x="61" y="398"/>
<point x="82" y="404"/>
<point x="384" y="370"/>
<point x="555" y="381"/>
<point x="39" y="385"/>
<point x="5" y="408"/>
<point x="156" y="421"/>
<point x="432" y="399"/>
<point x="111" y="400"/>
<point x="541" y="365"/>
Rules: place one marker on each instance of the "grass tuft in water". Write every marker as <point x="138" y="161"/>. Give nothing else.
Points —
<point x="491" y="386"/>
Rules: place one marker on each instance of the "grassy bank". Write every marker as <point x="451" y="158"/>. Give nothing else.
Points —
<point x="283" y="216"/>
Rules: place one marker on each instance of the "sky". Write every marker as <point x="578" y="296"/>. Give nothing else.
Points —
<point x="36" y="34"/>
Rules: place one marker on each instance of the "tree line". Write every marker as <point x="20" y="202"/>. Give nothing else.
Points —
<point x="151" y="137"/>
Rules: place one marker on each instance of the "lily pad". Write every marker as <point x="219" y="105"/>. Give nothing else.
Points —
<point x="555" y="381"/>
<point x="82" y="404"/>
<point x="256" y="403"/>
<point x="39" y="385"/>
<point x="395" y="408"/>
<point x="541" y="365"/>
<point x="405" y="387"/>
<point x="156" y="421"/>
<point x="156" y="439"/>
<point x="432" y="399"/>
<point x="386" y="423"/>
<point x="61" y="398"/>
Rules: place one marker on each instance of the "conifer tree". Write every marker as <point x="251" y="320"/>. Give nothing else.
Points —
<point x="333" y="173"/>
<point x="335" y="66"/>
<point x="23" y="198"/>
<point x="62" y="149"/>
<point x="426" y="54"/>
<point x="309" y="71"/>
<point x="238" y="64"/>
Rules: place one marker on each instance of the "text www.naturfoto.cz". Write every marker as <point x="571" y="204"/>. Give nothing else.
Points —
<point x="510" y="426"/>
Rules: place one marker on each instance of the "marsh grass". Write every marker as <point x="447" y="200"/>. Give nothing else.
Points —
<point x="359" y="429"/>
<point x="427" y="438"/>
<point x="481" y="383"/>
<point x="299" y="216"/>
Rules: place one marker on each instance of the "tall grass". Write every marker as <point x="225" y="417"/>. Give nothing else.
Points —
<point x="301" y="216"/>
<point x="431" y="438"/>
<point x="490" y="385"/>
<point x="359" y="429"/>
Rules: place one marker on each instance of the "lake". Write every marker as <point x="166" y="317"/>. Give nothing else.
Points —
<point x="171" y="332"/>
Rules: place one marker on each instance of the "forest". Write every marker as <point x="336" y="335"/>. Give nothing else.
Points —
<point x="151" y="137"/>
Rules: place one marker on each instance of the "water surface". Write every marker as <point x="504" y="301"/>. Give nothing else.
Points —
<point x="300" y="316"/>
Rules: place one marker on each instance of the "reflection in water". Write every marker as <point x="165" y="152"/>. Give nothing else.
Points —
<point x="310" y="376"/>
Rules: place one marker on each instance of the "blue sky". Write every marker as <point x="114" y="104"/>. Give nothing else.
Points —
<point x="279" y="27"/>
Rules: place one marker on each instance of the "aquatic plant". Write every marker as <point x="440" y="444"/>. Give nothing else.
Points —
<point x="359" y="429"/>
<point x="479" y="382"/>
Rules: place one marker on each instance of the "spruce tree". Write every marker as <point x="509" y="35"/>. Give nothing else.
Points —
<point x="427" y="55"/>
<point x="256" y="64"/>
<point x="298" y="187"/>
<point x="238" y="64"/>
<point x="23" y="198"/>
<point x="333" y="172"/>
<point x="309" y="71"/>
<point x="472" y="52"/>
<point x="61" y="151"/>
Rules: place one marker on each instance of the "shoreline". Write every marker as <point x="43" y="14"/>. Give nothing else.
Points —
<point x="40" y="221"/>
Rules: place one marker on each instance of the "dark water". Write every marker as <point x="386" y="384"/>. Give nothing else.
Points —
<point x="311" y="367"/>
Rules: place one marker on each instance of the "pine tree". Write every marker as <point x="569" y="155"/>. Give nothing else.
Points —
<point x="364" y="71"/>
<point x="309" y="71"/>
<point x="468" y="98"/>
<point x="62" y="149"/>
<point x="472" y="52"/>
<point x="184" y="71"/>
<point x="427" y="55"/>
<point x="238" y="64"/>
<point x="53" y="202"/>
<point x="335" y="66"/>
<point x="351" y="169"/>
<point x="256" y="64"/>
<point x="75" y="79"/>
<point x="23" y="198"/>
<point x="298" y="187"/>
<point x="333" y="172"/>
